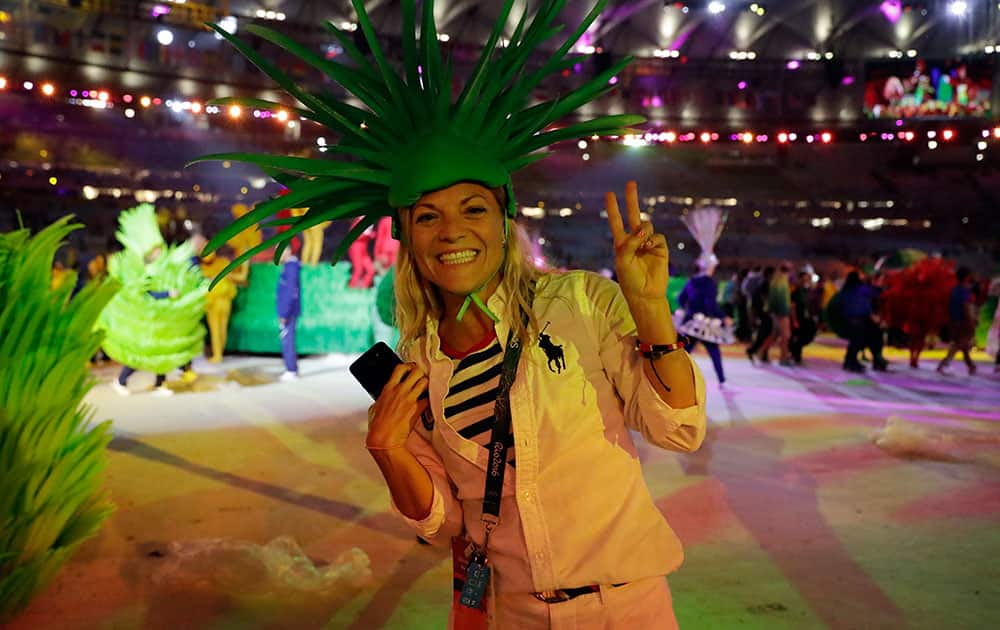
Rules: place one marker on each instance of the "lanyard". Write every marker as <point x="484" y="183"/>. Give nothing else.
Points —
<point x="497" y="463"/>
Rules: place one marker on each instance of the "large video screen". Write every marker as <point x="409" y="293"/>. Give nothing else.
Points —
<point x="923" y="88"/>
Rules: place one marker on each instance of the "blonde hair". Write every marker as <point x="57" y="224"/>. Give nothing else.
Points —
<point x="417" y="299"/>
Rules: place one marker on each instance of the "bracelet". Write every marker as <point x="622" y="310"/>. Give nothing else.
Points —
<point x="655" y="351"/>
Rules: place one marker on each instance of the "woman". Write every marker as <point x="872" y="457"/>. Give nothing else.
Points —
<point x="559" y="518"/>
<point x="569" y="435"/>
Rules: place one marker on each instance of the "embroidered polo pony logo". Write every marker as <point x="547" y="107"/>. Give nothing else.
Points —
<point x="553" y="352"/>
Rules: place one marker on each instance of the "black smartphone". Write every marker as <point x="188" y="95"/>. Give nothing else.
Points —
<point x="373" y="368"/>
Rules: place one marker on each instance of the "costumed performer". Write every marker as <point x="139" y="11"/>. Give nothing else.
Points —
<point x="219" y="300"/>
<point x="289" y="304"/>
<point x="154" y="322"/>
<point x="537" y="548"/>
<point x="245" y="240"/>
<point x="703" y="321"/>
<point x="362" y="266"/>
<point x="386" y="247"/>
<point x="915" y="301"/>
<point x="384" y="308"/>
<point x="993" y="334"/>
<point x="312" y="243"/>
<point x="962" y="318"/>
<point x="803" y="314"/>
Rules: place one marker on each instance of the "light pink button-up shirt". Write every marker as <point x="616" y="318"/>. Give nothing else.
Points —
<point x="576" y="511"/>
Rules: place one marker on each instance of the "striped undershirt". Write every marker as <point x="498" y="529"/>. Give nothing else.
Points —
<point x="472" y="392"/>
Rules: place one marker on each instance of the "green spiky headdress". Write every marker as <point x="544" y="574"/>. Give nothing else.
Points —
<point x="412" y="139"/>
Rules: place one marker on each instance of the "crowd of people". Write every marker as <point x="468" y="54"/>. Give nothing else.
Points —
<point x="775" y="307"/>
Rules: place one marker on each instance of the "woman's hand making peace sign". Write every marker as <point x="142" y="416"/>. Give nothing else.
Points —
<point x="641" y="255"/>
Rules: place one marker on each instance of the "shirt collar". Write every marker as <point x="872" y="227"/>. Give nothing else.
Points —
<point x="498" y="303"/>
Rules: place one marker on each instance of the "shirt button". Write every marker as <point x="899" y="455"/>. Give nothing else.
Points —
<point x="527" y="495"/>
<point x="539" y="555"/>
<point x="525" y="442"/>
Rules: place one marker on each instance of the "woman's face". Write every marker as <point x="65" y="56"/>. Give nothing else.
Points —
<point x="456" y="235"/>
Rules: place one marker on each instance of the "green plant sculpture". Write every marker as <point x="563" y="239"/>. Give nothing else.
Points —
<point x="51" y="458"/>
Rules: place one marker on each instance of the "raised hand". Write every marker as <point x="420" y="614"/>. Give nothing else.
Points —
<point x="641" y="255"/>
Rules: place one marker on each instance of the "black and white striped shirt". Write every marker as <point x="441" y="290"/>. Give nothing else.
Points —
<point x="472" y="394"/>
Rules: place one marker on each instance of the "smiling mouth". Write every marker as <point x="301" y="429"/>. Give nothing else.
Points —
<point x="458" y="258"/>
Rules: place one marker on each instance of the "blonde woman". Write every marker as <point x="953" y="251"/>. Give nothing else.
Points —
<point x="578" y="533"/>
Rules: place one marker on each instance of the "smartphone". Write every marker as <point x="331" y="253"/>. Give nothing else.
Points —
<point x="373" y="368"/>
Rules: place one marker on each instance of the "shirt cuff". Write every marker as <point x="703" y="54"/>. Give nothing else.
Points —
<point x="692" y="416"/>
<point x="427" y="527"/>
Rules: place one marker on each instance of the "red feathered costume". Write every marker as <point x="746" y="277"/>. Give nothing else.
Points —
<point x="915" y="300"/>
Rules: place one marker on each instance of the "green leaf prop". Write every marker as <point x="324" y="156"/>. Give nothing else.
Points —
<point x="51" y="458"/>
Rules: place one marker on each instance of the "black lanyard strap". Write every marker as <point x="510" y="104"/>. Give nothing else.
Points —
<point x="497" y="463"/>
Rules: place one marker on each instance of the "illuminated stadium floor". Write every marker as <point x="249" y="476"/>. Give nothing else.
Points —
<point x="791" y="516"/>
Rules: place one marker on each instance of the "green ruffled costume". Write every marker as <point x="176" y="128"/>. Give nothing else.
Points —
<point x="145" y="333"/>
<point x="50" y="460"/>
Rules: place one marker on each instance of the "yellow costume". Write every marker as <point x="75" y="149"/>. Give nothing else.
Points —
<point x="219" y="301"/>
<point x="312" y="239"/>
<point x="58" y="275"/>
<point x="247" y="239"/>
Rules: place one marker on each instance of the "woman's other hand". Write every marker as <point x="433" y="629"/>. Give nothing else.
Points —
<point x="398" y="408"/>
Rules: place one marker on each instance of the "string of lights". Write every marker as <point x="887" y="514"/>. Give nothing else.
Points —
<point x="130" y="105"/>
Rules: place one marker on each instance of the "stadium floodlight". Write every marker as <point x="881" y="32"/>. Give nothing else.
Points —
<point x="716" y="7"/>
<point x="958" y="8"/>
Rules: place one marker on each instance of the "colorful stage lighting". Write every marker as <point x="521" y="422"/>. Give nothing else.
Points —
<point x="826" y="137"/>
